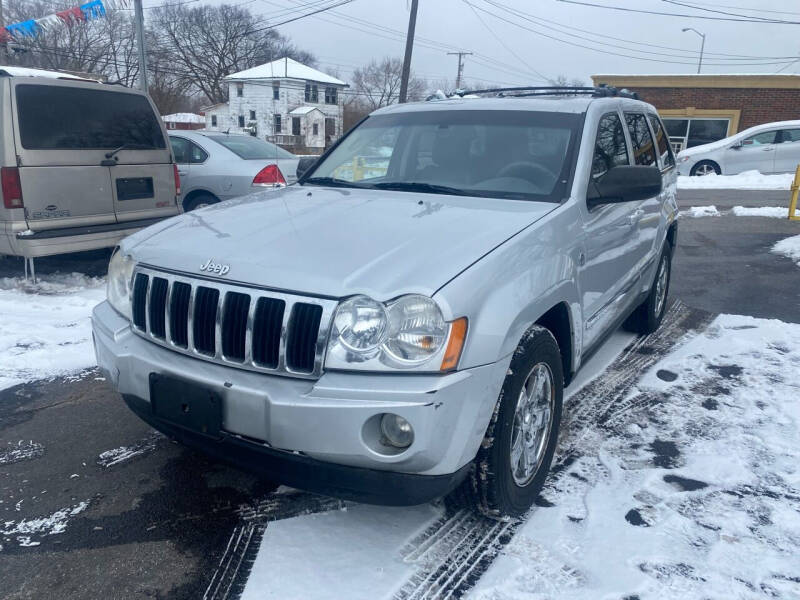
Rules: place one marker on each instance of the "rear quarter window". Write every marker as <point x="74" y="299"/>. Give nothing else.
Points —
<point x="73" y="118"/>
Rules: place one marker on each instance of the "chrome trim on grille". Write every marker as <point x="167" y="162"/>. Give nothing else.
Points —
<point x="328" y="307"/>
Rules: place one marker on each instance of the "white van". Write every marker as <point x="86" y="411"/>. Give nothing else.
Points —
<point x="82" y="163"/>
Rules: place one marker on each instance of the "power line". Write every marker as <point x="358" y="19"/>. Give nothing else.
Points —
<point x="529" y="16"/>
<point x="604" y="51"/>
<point x="759" y="9"/>
<point x="666" y="14"/>
<point x="720" y="12"/>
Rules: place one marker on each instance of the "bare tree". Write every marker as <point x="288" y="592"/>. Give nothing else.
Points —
<point x="378" y="83"/>
<point x="564" y="81"/>
<point x="206" y="43"/>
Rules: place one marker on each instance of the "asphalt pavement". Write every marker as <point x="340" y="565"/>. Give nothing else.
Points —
<point x="94" y="504"/>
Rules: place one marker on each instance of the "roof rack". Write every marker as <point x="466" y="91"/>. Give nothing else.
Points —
<point x="601" y="91"/>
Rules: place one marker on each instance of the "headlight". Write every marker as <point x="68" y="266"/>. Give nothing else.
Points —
<point x="120" y="283"/>
<point x="407" y="333"/>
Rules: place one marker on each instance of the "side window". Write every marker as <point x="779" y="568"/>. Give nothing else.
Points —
<point x="760" y="139"/>
<point x="644" y="151"/>
<point x="198" y="155"/>
<point x="790" y="135"/>
<point x="180" y="148"/>
<point x="667" y="160"/>
<point x="610" y="149"/>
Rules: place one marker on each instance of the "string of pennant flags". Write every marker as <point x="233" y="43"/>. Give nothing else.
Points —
<point x="95" y="9"/>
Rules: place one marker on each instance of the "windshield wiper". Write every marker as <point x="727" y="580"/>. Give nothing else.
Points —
<point x="419" y="186"/>
<point x="333" y="182"/>
<point x="109" y="155"/>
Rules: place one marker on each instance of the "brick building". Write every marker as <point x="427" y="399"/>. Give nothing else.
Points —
<point x="698" y="109"/>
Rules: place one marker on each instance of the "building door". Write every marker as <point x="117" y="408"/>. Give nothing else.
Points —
<point x="295" y="125"/>
<point x="330" y="128"/>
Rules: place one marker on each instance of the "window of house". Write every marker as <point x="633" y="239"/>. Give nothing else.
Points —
<point x="312" y="92"/>
<point x="213" y="120"/>
<point x="667" y="159"/>
<point x="760" y="139"/>
<point x="610" y="149"/>
<point x="330" y="95"/>
<point x="276" y="90"/>
<point x="644" y="151"/>
<point x="240" y="89"/>
<point x="252" y="115"/>
<point x="315" y="129"/>
<point x="276" y="123"/>
<point x="241" y="120"/>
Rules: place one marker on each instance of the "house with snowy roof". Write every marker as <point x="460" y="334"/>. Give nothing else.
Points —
<point x="283" y="101"/>
<point x="184" y="121"/>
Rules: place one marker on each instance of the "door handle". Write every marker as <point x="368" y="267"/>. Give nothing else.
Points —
<point x="634" y="218"/>
<point x="770" y="149"/>
<point x="182" y="172"/>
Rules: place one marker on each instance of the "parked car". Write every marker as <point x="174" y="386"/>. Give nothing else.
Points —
<point x="393" y="334"/>
<point x="216" y="166"/>
<point x="768" y="148"/>
<point x="83" y="163"/>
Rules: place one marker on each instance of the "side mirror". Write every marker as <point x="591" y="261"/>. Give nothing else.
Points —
<point x="305" y="164"/>
<point x="738" y="145"/>
<point x="625" y="183"/>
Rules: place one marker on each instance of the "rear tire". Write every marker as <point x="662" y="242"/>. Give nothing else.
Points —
<point x="705" y="167"/>
<point x="648" y="315"/>
<point x="512" y="463"/>
<point x="199" y="201"/>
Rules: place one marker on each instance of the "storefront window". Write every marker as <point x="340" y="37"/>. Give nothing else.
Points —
<point x="688" y="132"/>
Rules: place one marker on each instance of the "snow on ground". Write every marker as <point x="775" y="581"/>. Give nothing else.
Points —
<point x="691" y="490"/>
<point x="701" y="211"/>
<point x="45" y="329"/>
<point x="779" y="212"/>
<point x="24" y="530"/>
<point x="749" y="180"/>
<point x="790" y="247"/>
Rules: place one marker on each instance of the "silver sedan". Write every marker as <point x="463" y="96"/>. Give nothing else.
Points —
<point x="216" y="166"/>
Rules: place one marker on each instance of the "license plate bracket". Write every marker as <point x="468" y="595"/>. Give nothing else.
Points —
<point x="186" y="404"/>
<point x="134" y="188"/>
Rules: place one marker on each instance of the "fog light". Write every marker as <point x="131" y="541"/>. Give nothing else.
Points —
<point x="396" y="431"/>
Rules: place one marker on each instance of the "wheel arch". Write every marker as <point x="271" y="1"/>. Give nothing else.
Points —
<point x="195" y="193"/>
<point x="558" y="321"/>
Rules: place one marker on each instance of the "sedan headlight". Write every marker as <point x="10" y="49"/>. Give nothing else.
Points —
<point x="120" y="283"/>
<point x="407" y="333"/>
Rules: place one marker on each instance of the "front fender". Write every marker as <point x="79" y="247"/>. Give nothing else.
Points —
<point x="510" y="288"/>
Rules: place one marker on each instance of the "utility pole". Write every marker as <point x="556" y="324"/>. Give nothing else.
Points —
<point x="139" y="17"/>
<point x="461" y="56"/>
<point x="412" y="24"/>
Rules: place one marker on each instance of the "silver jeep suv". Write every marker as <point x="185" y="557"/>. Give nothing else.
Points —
<point x="402" y="322"/>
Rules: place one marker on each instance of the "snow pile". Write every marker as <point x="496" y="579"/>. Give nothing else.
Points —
<point x="49" y="525"/>
<point x="700" y="211"/>
<point x="687" y="488"/>
<point x="748" y="180"/>
<point x="45" y="329"/>
<point x="778" y="212"/>
<point x="790" y="247"/>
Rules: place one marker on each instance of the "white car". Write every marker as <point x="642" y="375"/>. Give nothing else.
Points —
<point x="768" y="148"/>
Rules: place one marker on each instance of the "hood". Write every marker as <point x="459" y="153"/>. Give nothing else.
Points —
<point x="336" y="241"/>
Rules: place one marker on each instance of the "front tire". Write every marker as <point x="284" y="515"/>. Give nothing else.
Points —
<point x="648" y="315"/>
<point x="705" y="167"/>
<point x="513" y="461"/>
<point x="199" y="201"/>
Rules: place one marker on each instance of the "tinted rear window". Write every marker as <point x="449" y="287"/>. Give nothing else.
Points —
<point x="250" y="148"/>
<point x="71" y="118"/>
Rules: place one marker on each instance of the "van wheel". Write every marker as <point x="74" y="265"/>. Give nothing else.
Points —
<point x="705" y="167"/>
<point x="649" y="314"/>
<point x="199" y="201"/>
<point x="514" y="458"/>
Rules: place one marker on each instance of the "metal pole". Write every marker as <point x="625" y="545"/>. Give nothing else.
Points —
<point x="412" y="24"/>
<point x="139" y="18"/>
<point x="702" y="47"/>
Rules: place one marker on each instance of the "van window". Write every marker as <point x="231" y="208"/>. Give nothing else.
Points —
<point x="644" y="151"/>
<point x="71" y="118"/>
<point x="610" y="149"/>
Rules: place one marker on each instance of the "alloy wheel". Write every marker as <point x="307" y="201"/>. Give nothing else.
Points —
<point x="532" y="424"/>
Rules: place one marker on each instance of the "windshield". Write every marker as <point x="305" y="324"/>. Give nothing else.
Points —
<point x="501" y="154"/>
<point x="250" y="148"/>
<point x="72" y="118"/>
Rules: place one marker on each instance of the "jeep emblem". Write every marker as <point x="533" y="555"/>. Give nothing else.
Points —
<point x="212" y="267"/>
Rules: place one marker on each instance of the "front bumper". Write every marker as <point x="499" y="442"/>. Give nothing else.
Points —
<point x="315" y="434"/>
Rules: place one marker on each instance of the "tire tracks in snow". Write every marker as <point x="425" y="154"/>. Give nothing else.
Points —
<point x="458" y="549"/>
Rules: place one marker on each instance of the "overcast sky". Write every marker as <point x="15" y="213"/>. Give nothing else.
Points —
<point x="505" y="53"/>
